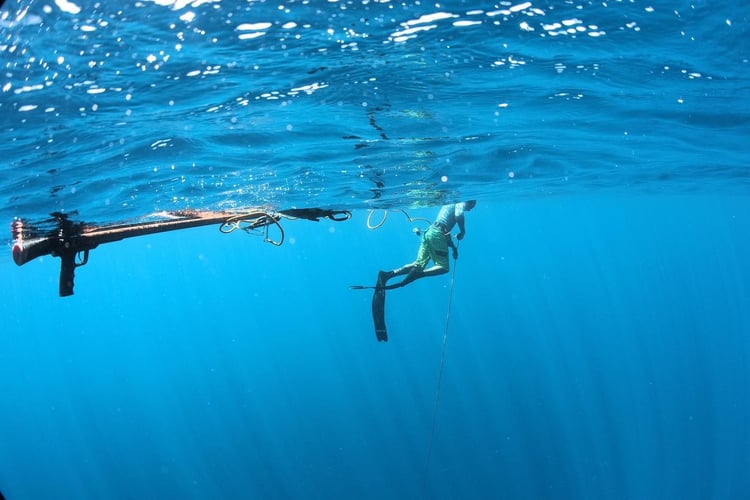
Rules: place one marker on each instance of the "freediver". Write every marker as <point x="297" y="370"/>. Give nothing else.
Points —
<point x="434" y="246"/>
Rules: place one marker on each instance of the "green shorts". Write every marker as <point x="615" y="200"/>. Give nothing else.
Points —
<point x="434" y="246"/>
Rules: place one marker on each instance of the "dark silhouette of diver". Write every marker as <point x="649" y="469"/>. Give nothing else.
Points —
<point x="434" y="246"/>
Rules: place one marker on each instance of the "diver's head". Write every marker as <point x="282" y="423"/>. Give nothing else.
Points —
<point x="468" y="205"/>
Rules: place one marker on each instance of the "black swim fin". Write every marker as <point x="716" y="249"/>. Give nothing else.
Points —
<point x="378" y="309"/>
<point x="378" y="314"/>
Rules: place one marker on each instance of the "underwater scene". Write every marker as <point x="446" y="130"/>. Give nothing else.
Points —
<point x="372" y="249"/>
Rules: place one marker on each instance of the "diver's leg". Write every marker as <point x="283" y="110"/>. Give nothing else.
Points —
<point x="419" y="272"/>
<point x="434" y="247"/>
<point x="423" y="256"/>
<point x="384" y="276"/>
<point x="416" y="273"/>
<point x="400" y="271"/>
<point x="434" y="271"/>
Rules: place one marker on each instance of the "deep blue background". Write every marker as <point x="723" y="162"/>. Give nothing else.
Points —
<point x="598" y="340"/>
<point x="598" y="348"/>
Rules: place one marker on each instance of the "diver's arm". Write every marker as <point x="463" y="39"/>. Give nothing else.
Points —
<point x="453" y="246"/>
<point x="461" y="227"/>
<point x="459" y="213"/>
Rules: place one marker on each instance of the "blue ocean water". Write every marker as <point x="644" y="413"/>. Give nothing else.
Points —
<point x="597" y="335"/>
